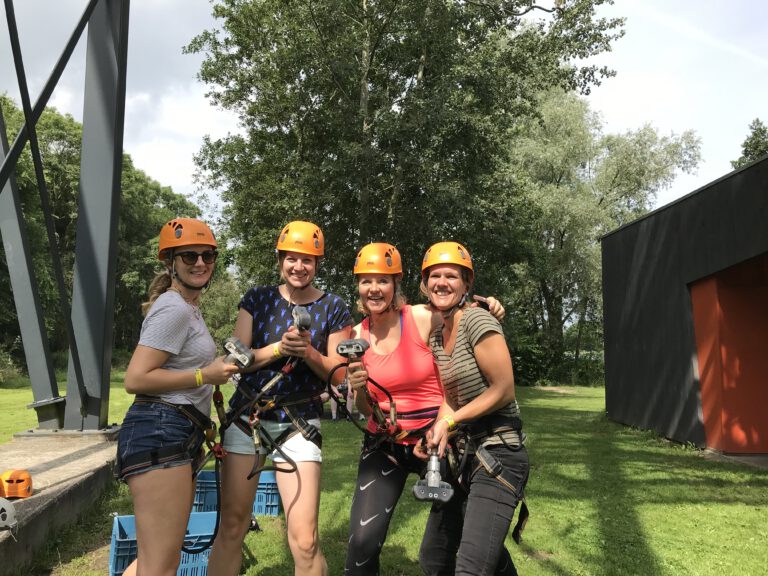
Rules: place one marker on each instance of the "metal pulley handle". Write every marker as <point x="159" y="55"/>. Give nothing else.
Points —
<point x="301" y="318"/>
<point x="432" y="487"/>
<point x="238" y="353"/>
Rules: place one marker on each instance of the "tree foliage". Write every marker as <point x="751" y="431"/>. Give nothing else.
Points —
<point x="414" y="122"/>
<point x="382" y="120"/>
<point x="579" y="184"/>
<point x="755" y="146"/>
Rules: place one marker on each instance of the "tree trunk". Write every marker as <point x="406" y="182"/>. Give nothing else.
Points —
<point x="579" y="333"/>
<point x="365" y="192"/>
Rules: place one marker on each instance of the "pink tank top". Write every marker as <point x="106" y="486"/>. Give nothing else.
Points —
<point x="410" y="375"/>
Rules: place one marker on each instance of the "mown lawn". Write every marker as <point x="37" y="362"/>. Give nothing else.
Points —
<point x="604" y="499"/>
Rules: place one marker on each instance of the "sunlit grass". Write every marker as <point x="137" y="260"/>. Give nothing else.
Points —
<point x="605" y="500"/>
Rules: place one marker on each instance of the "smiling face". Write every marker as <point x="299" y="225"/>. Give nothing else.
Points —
<point x="195" y="275"/>
<point x="297" y="269"/>
<point x="446" y="285"/>
<point x="377" y="291"/>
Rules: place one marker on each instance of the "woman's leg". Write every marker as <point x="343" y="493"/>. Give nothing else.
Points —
<point x="162" y="502"/>
<point x="442" y="535"/>
<point x="489" y="511"/>
<point x="380" y="483"/>
<point x="300" y="494"/>
<point x="237" y="495"/>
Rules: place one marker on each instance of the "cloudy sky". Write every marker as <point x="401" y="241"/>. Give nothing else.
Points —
<point x="683" y="64"/>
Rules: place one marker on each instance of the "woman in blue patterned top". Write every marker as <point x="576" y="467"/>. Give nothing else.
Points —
<point x="265" y="324"/>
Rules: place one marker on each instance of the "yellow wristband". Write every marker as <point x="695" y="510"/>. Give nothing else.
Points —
<point x="276" y="350"/>
<point x="198" y="377"/>
<point x="449" y="419"/>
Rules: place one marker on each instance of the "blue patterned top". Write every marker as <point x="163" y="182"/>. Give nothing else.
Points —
<point x="272" y="317"/>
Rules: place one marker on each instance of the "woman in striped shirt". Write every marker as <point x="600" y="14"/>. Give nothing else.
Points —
<point x="466" y="535"/>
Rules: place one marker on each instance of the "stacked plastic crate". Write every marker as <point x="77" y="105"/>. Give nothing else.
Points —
<point x="199" y="530"/>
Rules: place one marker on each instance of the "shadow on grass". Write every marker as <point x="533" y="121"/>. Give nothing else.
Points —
<point x="603" y="473"/>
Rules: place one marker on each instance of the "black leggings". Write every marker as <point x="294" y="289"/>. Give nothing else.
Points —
<point x="381" y="476"/>
<point x="466" y="535"/>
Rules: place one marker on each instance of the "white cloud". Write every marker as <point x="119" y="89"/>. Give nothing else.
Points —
<point x="163" y="133"/>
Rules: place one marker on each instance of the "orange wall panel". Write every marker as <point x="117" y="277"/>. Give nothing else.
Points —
<point x="730" y="311"/>
<point x="743" y="297"/>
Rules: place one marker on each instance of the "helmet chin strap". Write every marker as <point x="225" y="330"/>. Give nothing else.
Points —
<point x="452" y="310"/>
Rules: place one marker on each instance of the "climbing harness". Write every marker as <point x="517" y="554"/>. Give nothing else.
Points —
<point x="247" y="416"/>
<point x="388" y="427"/>
<point x="472" y="440"/>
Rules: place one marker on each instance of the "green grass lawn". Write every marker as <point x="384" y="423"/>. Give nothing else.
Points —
<point x="604" y="499"/>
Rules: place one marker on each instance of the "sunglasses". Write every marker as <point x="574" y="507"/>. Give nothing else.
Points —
<point x="190" y="258"/>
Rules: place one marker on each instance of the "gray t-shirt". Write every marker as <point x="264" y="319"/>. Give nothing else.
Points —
<point x="177" y="327"/>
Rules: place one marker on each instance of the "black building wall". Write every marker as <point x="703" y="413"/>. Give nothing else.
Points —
<point x="651" y="370"/>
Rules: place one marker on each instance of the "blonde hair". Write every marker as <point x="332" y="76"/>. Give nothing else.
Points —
<point x="398" y="300"/>
<point x="159" y="285"/>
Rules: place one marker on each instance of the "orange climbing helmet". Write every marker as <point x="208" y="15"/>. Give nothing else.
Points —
<point x="16" y="484"/>
<point x="302" y="237"/>
<point x="447" y="253"/>
<point x="184" y="232"/>
<point x="378" y="258"/>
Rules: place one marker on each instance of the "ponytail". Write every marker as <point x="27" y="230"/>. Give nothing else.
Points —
<point x="159" y="285"/>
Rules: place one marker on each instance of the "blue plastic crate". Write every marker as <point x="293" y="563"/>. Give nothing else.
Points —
<point x="267" y="502"/>
<point x="122" y="550"/>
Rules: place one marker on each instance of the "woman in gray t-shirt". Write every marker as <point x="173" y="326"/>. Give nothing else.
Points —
<point x="170" y="373"/>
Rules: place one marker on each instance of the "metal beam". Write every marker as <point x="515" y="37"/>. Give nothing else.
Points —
<point x="45" y="391"/>
<point x="12" y="155"/>
<point x="98" y="206"/>
<point x="45" y="202"/>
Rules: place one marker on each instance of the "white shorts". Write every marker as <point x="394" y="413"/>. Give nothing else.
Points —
<point x="298" y="448"/>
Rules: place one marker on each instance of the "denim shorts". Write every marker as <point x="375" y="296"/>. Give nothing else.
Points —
<point x="298" y="448"/>
<point x="150" y="426"/>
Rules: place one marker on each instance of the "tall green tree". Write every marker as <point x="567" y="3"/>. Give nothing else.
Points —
<point x="580" y="184"/>
<point x="755" y="146"/>
<point x="383" y="119"/>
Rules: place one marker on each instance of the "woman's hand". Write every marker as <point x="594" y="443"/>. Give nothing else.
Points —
<point x="218" y="371"/>
<point x="295" y="343"/>
<point x="492" y="305"/>
<point x="357" y="375"/>
<point x="437" y="437"/>
<point x="420" y="450"/>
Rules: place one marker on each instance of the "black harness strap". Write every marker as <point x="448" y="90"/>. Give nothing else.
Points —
<point x="193" y="414"/>
<point x="470" y="441"/>
<point x="494" y="468"/>
<point x="258" y="403"/>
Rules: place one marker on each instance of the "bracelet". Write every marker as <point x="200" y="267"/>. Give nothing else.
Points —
<point x="451" y="422"/>
<point x="276" y="350"/>
<point x="198" y="377"/>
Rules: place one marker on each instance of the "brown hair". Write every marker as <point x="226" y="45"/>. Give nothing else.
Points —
<point x="159" y="285"/>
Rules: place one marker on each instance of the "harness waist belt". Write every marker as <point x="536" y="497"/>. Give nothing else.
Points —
<point x="193" y="414"/>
